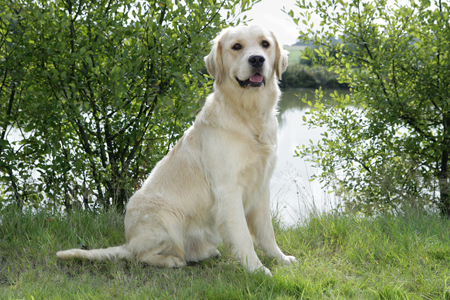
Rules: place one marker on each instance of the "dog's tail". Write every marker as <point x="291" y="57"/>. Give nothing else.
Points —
<point x="120" y="252"/>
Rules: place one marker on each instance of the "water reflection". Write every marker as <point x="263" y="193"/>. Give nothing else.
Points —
<point x="294" y="197"/>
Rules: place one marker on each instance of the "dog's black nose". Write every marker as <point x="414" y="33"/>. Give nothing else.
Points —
<point x="256" y="60"/>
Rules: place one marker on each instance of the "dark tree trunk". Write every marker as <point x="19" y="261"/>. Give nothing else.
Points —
<point x="117" y="192"/>
<point x="444" y="185"/>
<point x="444" y="174"/>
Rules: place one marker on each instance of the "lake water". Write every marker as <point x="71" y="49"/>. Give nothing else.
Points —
<point x="293" y="195"/>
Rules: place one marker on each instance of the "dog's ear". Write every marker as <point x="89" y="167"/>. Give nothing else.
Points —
<point x="214" y="61"/>
<point x="281" y="58"/>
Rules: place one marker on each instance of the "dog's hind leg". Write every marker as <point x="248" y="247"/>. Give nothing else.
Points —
<point x="158" y="257"/>
<point x="200" y="250"/>
<point x="157" y="248"/>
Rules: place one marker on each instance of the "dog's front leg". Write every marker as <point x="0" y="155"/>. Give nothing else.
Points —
<point x="260" y="224"/>
<point x="231" y="218"/>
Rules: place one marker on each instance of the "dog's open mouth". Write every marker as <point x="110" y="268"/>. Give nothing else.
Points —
<point x="254" y="81"/>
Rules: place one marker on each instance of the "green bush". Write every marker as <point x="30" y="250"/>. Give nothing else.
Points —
<point x="98" y="92"/>
<point x="393" y="150"/>
<point x="302" y="76"/>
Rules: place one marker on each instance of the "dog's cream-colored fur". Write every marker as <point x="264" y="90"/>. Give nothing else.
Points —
<point x="214" y="184"/>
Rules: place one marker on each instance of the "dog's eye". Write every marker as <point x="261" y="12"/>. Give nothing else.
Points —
<point x="237" y="46"/>
<point x="265" y="44"/>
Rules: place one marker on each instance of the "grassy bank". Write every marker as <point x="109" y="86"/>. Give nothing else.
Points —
<point x="341" y="257"/>
<point x="300" y="74"/>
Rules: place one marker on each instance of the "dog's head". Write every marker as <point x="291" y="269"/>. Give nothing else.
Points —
<point x="247" y="56"/>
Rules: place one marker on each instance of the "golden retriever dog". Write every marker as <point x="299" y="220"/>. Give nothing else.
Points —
<point x="214" y="184"/>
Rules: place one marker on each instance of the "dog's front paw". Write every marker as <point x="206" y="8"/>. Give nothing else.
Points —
<point x="261" y="270"/>
<point x="265" y="270"/>
<point x="288" y="260"/>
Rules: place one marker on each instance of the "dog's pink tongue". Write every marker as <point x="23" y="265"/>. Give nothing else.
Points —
<point x="256" y="77"/>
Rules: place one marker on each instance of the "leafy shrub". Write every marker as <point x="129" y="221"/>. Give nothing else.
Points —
<point x="98" y="92"/>
<point x="396" y="60"/>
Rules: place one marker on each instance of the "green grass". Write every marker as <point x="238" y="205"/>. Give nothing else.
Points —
<point x="341" y="257"/>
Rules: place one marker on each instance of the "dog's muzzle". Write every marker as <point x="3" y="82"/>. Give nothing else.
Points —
<point x="255" y="80"/>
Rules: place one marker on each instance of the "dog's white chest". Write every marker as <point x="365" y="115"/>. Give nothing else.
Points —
<point x="258" y="166"/>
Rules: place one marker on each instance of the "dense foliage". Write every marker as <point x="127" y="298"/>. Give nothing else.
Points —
<point x="94" y="93"/>
<point x="303" y="76"/>
<point x="388" y="144"/>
